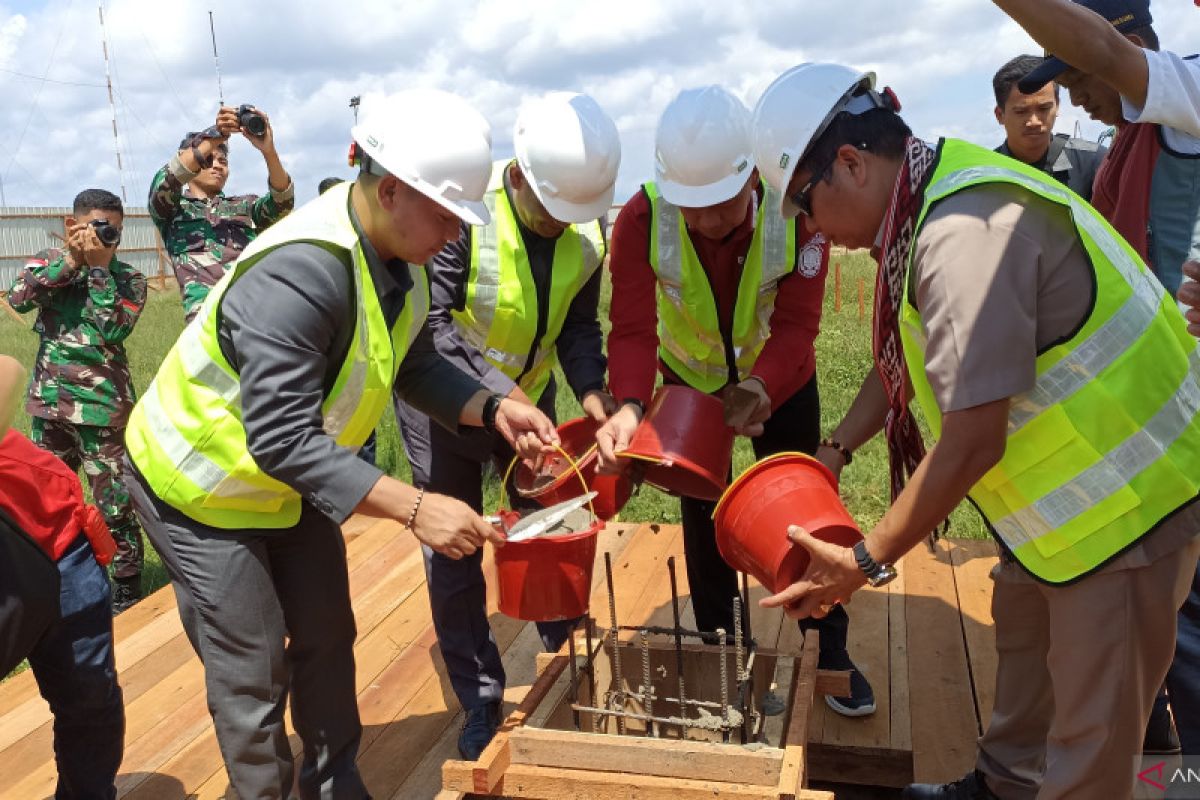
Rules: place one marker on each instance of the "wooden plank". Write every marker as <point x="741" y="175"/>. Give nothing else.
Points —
<point x="667" y="758"/>
<point x="944" y="727"/>
<point x="861" y="766"/>
<point x="899" y="696"/>
<point x="868" y="645"/>
<point x="973" y="560"/>
<point x="793" y="774"/>
<point x="523" y="780"/>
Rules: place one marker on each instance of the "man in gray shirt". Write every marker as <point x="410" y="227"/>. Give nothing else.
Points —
<point x="1028" y="121"/>
<point x="292" y="359"/>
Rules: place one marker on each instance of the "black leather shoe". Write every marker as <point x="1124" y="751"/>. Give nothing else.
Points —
<point x="126" y="592"/>
<point x="970" y="787"/>
<point x="478" y="729"/>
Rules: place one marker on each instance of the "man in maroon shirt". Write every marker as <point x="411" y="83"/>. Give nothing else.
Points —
<point x="706" y="178"/>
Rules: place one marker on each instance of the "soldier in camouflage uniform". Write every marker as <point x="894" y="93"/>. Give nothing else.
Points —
<point x="81" y="393"/>
<point x="203" y="230"/>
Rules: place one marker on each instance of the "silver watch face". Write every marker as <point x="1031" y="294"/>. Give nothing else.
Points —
<point x="887" y="573"/>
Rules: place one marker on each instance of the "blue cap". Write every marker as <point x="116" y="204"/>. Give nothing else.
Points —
<point x="1124" y="15"/>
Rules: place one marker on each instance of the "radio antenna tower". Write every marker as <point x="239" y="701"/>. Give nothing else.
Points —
<point x="111" y="104"/>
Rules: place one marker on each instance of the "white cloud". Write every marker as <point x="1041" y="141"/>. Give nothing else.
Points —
<point x="301" y="61"/>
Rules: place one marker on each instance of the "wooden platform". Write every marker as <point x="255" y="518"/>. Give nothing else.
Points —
<point x="925" y="642"/>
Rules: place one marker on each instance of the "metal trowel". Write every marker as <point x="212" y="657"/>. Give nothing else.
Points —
<point x="540" y="522"/>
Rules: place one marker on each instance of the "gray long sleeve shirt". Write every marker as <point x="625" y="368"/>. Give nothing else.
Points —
<point x="286" y="327"/>
<point x="579" y="345"/>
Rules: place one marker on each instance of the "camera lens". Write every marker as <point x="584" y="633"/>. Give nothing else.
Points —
<point x="251" y="120"/>
<point x="106" y="233"/>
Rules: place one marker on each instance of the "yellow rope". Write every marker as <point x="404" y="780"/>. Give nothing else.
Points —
<point x="574" y="466"/>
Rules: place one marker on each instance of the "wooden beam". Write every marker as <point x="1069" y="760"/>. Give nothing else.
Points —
<point x="526" y="781"/>
<point x="792" y="776"/>
<point x="665" y="758"/>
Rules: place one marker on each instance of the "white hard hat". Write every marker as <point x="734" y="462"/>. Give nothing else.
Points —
<point x="795" y="110"/>
<point x="703" y="148"/>
<point x="569" y="151"/>
<point x="436" y="143"/>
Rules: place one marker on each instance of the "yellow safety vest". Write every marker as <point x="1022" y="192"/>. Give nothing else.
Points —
<point x="185" y="435"/>
<point x="500" y="315"/>
<point x="690" y="341"/>
<point x="1106" y="444"/>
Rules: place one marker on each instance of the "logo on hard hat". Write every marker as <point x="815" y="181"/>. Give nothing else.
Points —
<point x="810" y="256"/>
<point x="741" y="167"/>
<point x="783" y="160"/>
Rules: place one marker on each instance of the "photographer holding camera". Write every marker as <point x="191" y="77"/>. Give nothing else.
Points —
<point x="203" y="230"/>
<point x="81" y="393"/>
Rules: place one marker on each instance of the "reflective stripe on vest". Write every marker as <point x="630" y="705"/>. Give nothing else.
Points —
<point x="186" y="436"/>
<point x="1106" y="443"/>
<point x="689" y="329"/>
<point x="500" y="316"/>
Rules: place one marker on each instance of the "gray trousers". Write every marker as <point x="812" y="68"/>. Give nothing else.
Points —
<point x="453" y="464"/>
<point x="268" y="613"/>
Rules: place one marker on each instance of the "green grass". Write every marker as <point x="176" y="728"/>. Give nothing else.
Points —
<point x="843" y="359"/>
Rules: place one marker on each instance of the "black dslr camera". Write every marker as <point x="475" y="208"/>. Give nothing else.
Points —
<point x="108" y="234"/>
<point x="251" y="120"/>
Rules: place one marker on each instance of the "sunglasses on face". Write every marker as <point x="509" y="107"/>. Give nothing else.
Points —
<point x="802" y="199"/>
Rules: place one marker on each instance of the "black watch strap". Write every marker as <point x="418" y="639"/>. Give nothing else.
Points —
<point x="490" y="406"/>
<point x="869" y="566"/>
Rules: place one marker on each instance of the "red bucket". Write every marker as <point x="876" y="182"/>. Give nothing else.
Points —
<point x="754" y="514"/>
<point x="547" y="578"/>
<point x="685" y="442"/>
<point x="579" y="441"/>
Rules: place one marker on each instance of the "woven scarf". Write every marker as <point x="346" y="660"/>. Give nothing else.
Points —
<point x="905" y="448"/>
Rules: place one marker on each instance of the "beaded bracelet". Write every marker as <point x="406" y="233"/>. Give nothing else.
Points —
<point x="834" y="444"/>
<point x="417" y="505"/>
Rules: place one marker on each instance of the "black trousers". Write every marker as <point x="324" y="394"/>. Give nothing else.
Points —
<point x="795" y="426"/>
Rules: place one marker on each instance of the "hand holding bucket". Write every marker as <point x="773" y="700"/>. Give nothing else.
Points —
<point x="831" y="577"/>
<point x="756" y="515"/>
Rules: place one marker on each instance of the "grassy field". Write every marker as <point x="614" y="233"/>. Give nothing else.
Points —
<point x="843" y="358"/>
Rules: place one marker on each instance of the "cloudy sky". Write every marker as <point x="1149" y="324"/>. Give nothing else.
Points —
<point x="302" y="60"/>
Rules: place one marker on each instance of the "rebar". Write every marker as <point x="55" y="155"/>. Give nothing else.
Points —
<point x="618" y="691"/>
<point x="737" y="639"/>
<point x="647" y="686"/>
<point x="589" y="633"/>
<point x="724" y="646"/>
<point x="746" y="605"/>
<point x="678" y="636"/>
<point x="574" y="680"/>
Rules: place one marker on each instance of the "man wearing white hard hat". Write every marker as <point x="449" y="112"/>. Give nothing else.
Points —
<point x="1064" y="391"/>
<point x="243" y="448"/>
<point x="730" y="296"/>
<point x="511" y="300"/>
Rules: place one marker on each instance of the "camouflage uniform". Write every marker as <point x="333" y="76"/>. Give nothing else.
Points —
<point x="205" y="237"/>
<point x="81" y="393"/>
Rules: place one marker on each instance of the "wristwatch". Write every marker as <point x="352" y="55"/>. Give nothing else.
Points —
<point x="877" y="574"/>
<point x="490" y="406"/>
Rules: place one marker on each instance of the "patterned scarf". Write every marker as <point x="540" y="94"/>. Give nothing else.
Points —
<point x="905" y="448"/>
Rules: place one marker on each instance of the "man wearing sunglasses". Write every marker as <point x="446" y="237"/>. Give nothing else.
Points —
<point x="712" y="289"/>
<point x="1064" y="392"/>
<point x="81" y="394"/>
